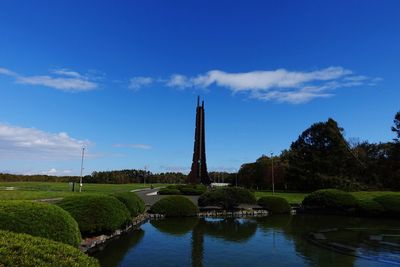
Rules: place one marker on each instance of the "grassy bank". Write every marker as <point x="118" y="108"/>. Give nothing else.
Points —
<point x="297" y="198"/>
<point x="46" y="190"/>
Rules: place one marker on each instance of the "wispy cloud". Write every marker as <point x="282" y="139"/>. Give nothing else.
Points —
<point x="280" y="85"/>
<point x="52" y="172"/>
<point x="138" y="82"/>
<point x="137" y="146"/>
<point x="180" y="81"/>
<point x="182" y="169"/>
<point x="61" y="79"/>
<point x="30" y="143"/>
<point x="7" y="72"/>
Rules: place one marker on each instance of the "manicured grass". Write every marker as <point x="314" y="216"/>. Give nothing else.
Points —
<point x="292" y="198"/>
<point x="369" y="195"/>
<point x="45" y="190"/>
<point x="297" y="198"/>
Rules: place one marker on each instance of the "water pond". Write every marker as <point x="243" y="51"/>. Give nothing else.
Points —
<point x="276" y="240"/>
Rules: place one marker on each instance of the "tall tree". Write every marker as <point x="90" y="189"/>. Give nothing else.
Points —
<point x="321" y="157"/>
<point x="396" y="127"/>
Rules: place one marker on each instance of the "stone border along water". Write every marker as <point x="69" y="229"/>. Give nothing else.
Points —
<point x="319" y="238"/>
<point x="92" y="244"/>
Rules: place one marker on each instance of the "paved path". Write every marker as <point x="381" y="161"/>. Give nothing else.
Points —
<point x="150" y="199"/>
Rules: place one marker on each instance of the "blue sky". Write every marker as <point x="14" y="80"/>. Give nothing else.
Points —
<point x="122" y="78"/>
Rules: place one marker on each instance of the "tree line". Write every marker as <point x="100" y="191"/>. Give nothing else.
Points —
<point x="322" y="158"/>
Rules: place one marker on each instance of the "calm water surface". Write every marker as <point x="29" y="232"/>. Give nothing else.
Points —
<point x="270" y="241"/>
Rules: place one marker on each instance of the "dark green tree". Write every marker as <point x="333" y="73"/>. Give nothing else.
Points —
<point x="321" y="158"/>
<point x="396" y="127"/>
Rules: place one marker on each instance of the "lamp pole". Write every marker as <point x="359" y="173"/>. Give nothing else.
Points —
<point x="272" y="173"/>
<point x="80" y="180"/>
<point x="145" y="174"/>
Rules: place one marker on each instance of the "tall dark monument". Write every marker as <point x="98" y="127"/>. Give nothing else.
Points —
<point x="198" y="173"/>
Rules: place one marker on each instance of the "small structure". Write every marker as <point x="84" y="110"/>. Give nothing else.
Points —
<point x="198" y="172"/>
<point x="220" y="184"/>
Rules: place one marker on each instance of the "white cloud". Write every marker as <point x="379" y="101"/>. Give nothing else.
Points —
<point x="7" y="72"/>
<point x="138" y="82"/>
<point x="67" y="72"/>
<point x="181" y="169"/>
<point x="138" y="146"/>
<point x="280" y="85"/>
<point x="65" y="84"/>
<point x="178" y="80"/>
<point x="52" y="172"/>
<point x="64" y="79"/>
<point x="30" y="143"/>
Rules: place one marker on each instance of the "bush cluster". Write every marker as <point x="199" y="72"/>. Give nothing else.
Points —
<point x="39" y="219"/>
<point x="186" y="189"/>
<point x="228" y="197"/>
<point x="390" y="204"/>
<point x="274" y="204"/>
<point x="330" y="200"/>
<point x="133" y="202"/>
<point x="369" y="207"/>
<point x="175" y="206"/>
<point x="169" y="191"/>
<point x="23" y="250"/>
<point x="96" y="214"/>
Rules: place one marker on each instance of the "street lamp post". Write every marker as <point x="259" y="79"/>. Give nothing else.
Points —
<point x="80" y="180"/>
<point x="272" y="173"/>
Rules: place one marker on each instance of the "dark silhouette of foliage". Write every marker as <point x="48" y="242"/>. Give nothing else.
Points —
<point x="396" y="127"/>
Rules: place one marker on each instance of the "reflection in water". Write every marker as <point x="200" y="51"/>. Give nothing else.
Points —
<point x="175" y="226"/>
<point x="120" y="247"/>
<point x="278" y="240"/>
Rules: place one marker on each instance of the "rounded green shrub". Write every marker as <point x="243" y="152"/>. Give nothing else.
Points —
<point x="96" y="214"/>
<point x="390" y="203"/>
<point x="175" y="206"/>
<point x="169" y="191"/>
<point x="194" y="190"/>
<point x="133" y="202"/>
<point x="330" y="200"/>
<point x="184" y="189"/>
<point x="274" y="204"/>
<point x="23" y="250"/>
<point x="39" y="219"/>
<point x="369" y="207"/>
<point x="227" y="197"/>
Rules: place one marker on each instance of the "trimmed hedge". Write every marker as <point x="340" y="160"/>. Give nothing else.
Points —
<point x="369" y="207"/>
<point x="227" y="197"/>
<point x="196" y="190"/>
<point x="133" y="202"/>
<point x="175" y="206"/>
<point x="390" y="203"/>
<point x="169" y="191"/>
<point x="185" y="189"/>
<point x="39" y="219"/>
<point x="96" y="214"/>
<point x="22" y="250"/>
<point x="330" y="200"/>
<point x="274" y="204"/>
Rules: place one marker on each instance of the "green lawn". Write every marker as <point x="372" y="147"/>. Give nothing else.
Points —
<point x="45" y="190"/>
<point x="297" y="198"/>
<point x="292" y="198"/>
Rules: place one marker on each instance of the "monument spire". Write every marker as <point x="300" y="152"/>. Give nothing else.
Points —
<point x="198" y="172"/>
